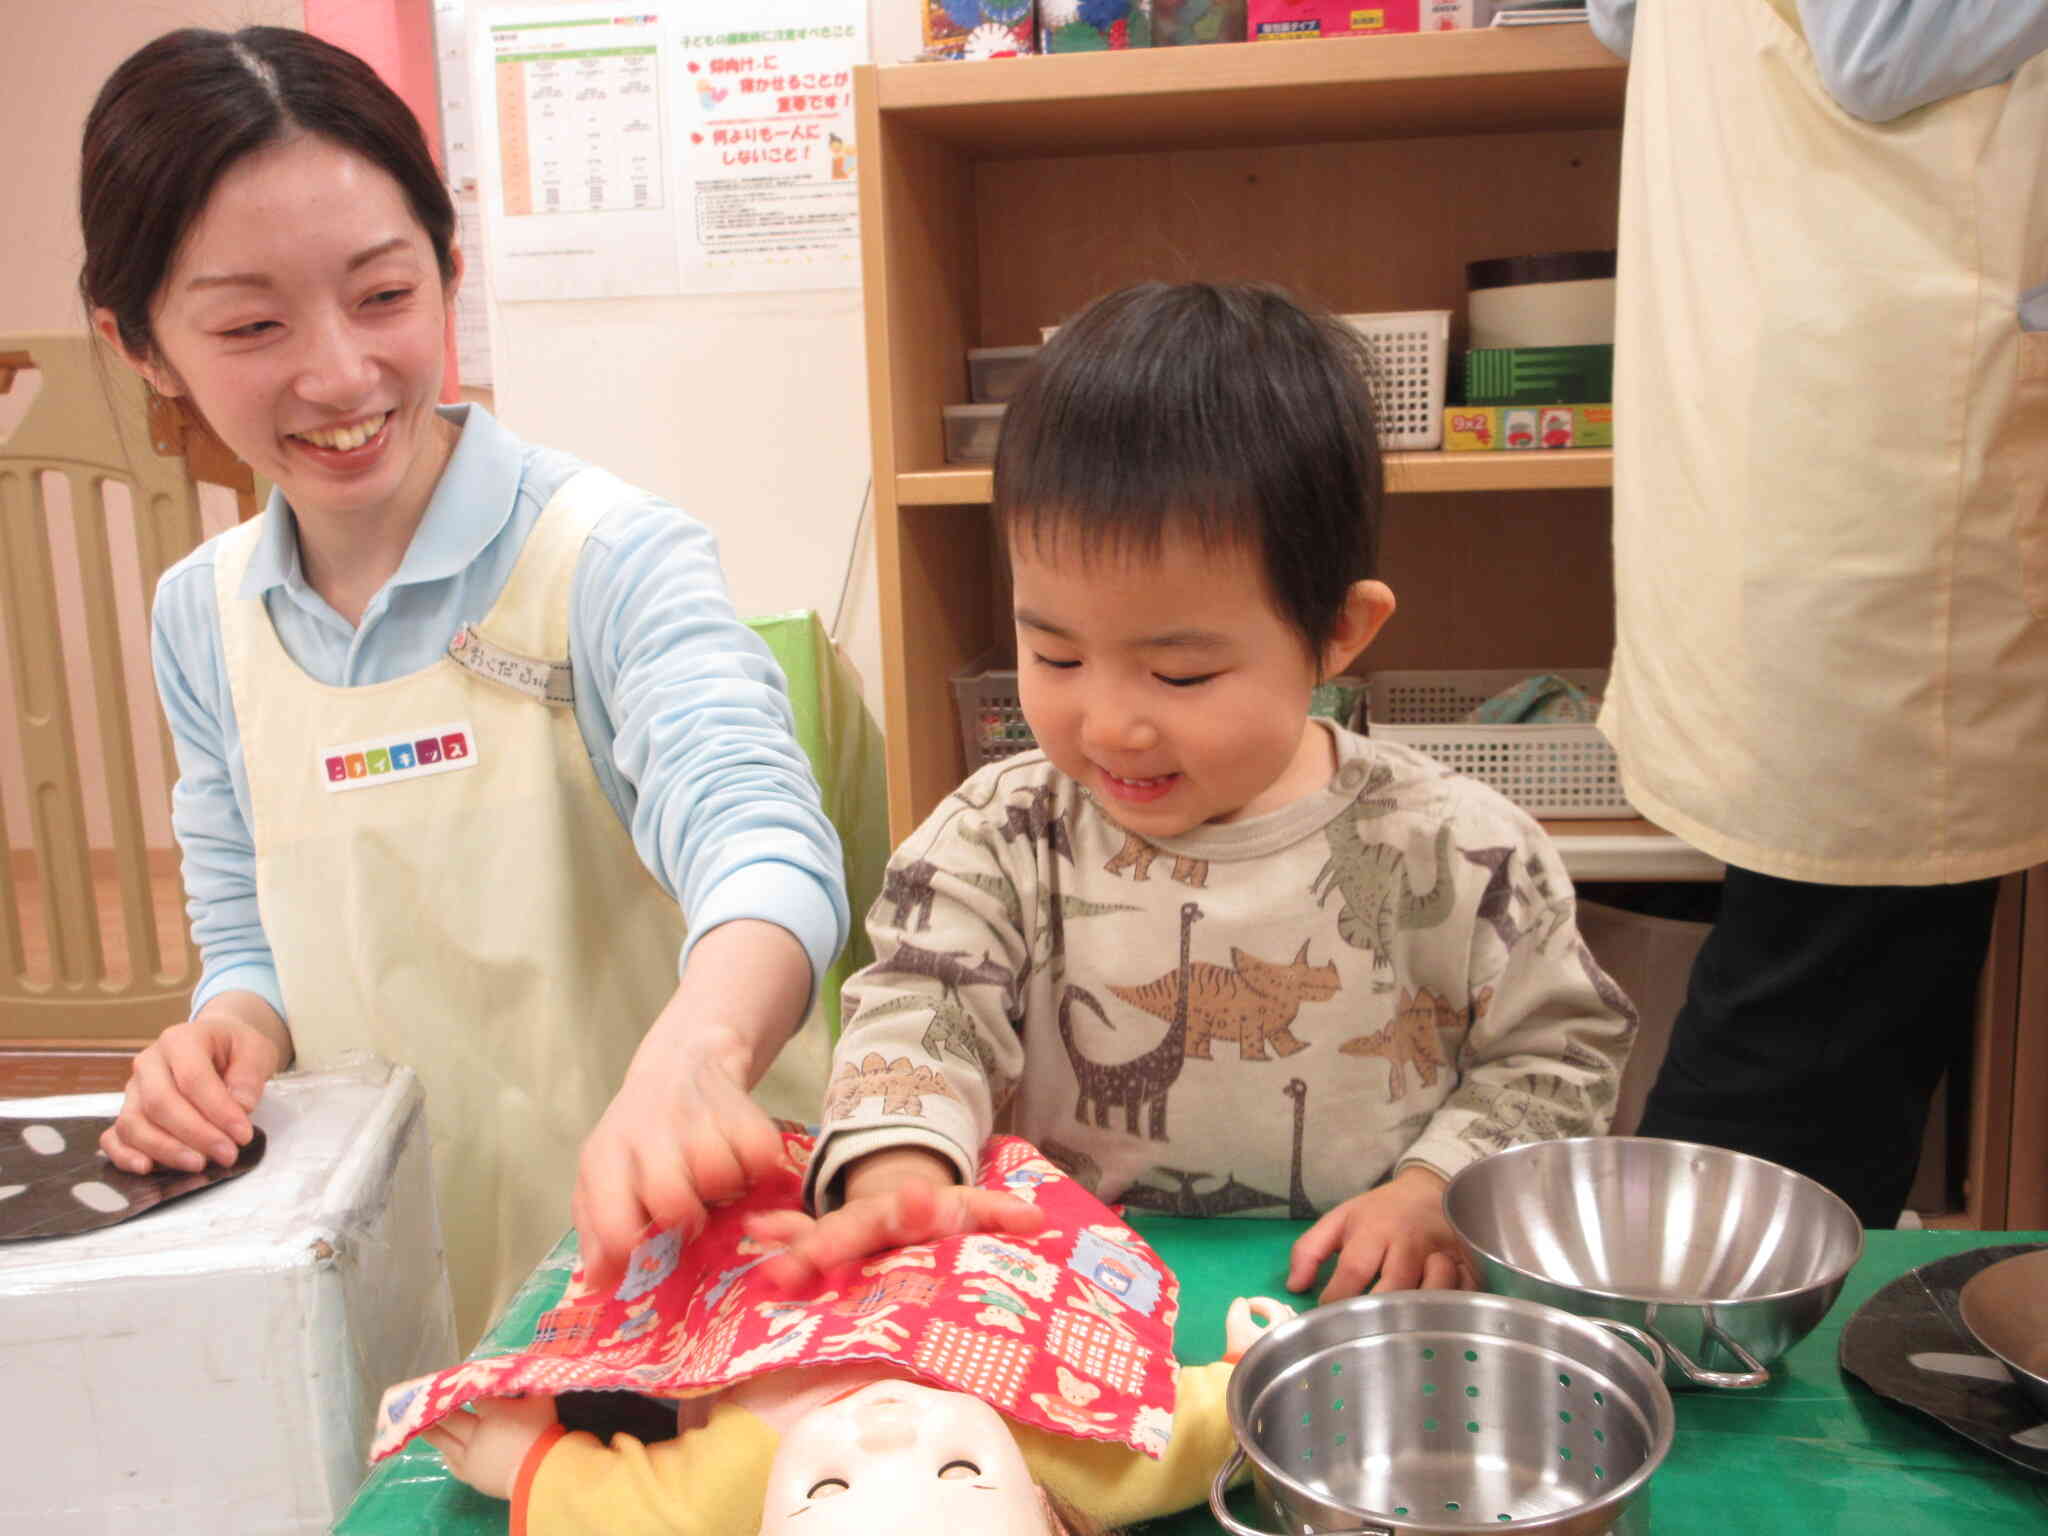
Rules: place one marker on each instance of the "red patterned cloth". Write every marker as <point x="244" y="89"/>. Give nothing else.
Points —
<point x="1070" y="1330"/>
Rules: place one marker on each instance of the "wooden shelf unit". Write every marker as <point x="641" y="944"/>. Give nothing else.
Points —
<point x="997" y="197"/>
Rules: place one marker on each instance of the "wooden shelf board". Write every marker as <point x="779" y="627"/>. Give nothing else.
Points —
<point x="1417" y="86"/>
<point x="1554" y="469"/>
<point x="1565" y="469"/>
<point x="945" y="488"/>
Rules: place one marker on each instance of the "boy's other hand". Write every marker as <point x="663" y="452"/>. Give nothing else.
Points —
<point x="893" y="1199"/>
<point x="487" y="1446"/>
<point x="1394" y="1238"/>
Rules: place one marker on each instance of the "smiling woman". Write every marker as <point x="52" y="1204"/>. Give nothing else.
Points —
<point x="319" y="357"/>
<point x="466" y="730"/>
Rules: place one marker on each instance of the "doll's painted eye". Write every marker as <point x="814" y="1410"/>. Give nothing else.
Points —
<point x="958" y="1469"/>
<point x="827" y="1488"/>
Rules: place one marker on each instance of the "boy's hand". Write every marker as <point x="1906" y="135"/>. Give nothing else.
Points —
<point x="893" y="1199"/>
<point x="487" y="1445"/>
<point x="1397" y="1232"/>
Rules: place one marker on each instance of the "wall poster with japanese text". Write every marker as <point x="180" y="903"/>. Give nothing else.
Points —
<point x="690" y="146"/>
<point x="767" y="141"/>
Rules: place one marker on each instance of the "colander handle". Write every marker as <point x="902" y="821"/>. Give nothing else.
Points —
<point x="1221" y="1485"/>
<point x="1754" y="1373"/>
<point x="1648" y="1343"/>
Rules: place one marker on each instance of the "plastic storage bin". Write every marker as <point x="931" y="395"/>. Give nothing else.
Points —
<point x="992" y="724"/>
<point x="1562" y="771"/>
<point x="971" y="432"/>
<point x="1411" y="352"/>
<point x="993" y="373"/>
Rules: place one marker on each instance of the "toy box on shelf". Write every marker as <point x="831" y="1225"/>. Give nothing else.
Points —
<point x="1539" y="375"/>
<point x="1093" y="26"/>
<point x="1181" y="23"/>
<point x="994" y="373"/>
<point x="1271" y="21"/>
<point x="1559" y="771"/>
<point x="978" y="29"/>
<point x="972" y="432"/>
<point x="1469" y="428"/>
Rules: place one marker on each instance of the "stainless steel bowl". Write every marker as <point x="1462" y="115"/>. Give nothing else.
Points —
<point x="1416" y="1413"/>
<point x="2006" y="1307"/>
<point x="1727" y="1260"/>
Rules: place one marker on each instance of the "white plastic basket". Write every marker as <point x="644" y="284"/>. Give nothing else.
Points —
<point x="1411" y="352"/>
<point x="1562" y="771"/>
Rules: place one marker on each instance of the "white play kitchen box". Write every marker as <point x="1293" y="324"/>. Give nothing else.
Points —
<point x="213" y="1365"/>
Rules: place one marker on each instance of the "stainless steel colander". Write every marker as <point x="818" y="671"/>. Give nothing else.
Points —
<point x="1728" y="1260"/>
<point x="1425" y="1412"/>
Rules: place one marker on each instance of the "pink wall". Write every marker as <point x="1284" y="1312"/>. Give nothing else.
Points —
<point x="395" y="38"/>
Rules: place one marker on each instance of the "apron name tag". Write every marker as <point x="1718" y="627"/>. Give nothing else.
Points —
<point x="552" y="682"/>
<point x="398" y="757"/>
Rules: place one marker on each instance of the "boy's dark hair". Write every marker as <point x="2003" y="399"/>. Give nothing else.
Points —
<point x="1229" y="413"/>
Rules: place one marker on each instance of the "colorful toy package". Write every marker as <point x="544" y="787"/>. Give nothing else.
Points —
<point x="1091" y="26"/>
<point x="978" y="29"/>
<point x="1472" y="427"/>
<point x="1176" y="23"/>
<point x="1292" y="20"/>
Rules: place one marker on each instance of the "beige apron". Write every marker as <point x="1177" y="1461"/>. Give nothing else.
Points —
<point x="481" y="916"/>
<point x="1831" y="481"/>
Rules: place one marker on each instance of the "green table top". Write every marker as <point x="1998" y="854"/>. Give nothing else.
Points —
<point x="1814" y="1453"/>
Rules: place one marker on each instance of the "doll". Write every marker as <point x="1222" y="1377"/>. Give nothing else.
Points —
<point x="986" y="1382"/>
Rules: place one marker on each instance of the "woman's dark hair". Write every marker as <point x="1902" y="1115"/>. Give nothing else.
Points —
<point x="181" y="110"/>
<point x="1227" y="413"/>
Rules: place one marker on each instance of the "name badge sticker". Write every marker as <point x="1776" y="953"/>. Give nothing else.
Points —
<point x="551" y="682"/>
<point x="396" y="758"/>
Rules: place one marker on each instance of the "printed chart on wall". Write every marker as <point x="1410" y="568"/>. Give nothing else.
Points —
<point x="577" y="187"/>
<point x="458" y="147"/>
<point x="706" y="149"/>
<point x="768" y="95"/>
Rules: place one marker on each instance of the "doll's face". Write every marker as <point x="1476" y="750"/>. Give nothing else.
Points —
<point x="898" y="1457"/>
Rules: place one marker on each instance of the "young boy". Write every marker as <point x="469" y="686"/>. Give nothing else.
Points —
<point x="1213" y="955"/>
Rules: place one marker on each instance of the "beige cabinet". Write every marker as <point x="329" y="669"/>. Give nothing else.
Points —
<point x="998" y="197"/>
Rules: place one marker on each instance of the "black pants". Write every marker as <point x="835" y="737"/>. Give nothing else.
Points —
<point x="1816" y="1024"/>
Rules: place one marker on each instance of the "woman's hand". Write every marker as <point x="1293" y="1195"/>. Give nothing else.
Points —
<point x="893" y="1199"/>
<point x="190" y="1092"/>
<point x="1397" y="1233"/>
<point x="682" y="1134"/>
<point x="487" y="1444"/>
<point x="672" y="1144"/>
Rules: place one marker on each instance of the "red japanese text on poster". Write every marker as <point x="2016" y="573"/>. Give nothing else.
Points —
<point x="766" y="123"/>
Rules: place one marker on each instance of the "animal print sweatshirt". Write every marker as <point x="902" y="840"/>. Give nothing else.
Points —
<point x="1263" y="1017"/>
